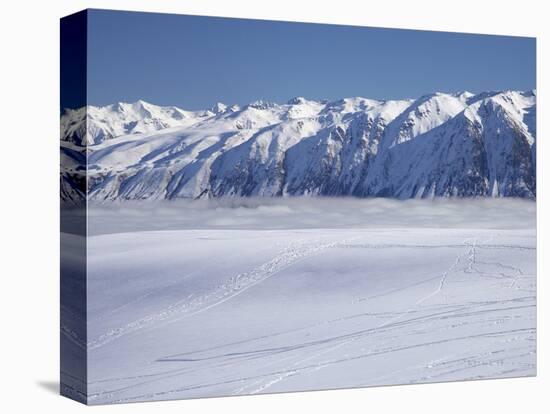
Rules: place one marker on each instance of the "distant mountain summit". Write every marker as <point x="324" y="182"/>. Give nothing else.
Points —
<point x="439" y="145"/>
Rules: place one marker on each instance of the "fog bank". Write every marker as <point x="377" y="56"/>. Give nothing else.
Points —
<point x="318" y="212"/>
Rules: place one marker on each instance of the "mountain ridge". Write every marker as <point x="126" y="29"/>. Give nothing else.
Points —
<point x="439" y="145"/>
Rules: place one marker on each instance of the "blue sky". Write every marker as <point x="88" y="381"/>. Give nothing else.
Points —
<point x="194" y="62"/>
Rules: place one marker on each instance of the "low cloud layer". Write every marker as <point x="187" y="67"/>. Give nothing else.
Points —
<point x="294" y="213"/>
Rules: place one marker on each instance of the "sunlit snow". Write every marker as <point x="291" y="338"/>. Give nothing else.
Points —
<point x="233" y="297"/>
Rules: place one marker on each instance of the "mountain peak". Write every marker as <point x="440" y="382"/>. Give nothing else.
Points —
<point x="261" y="104"/>
<point x="219" y="108"/>
<point x="297" y="100"/>
<point x="464" y="95"/>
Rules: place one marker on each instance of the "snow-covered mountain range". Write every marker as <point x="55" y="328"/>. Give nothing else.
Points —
<point x="437" y="145"/>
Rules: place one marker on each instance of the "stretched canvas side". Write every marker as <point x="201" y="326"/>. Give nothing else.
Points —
<point x="74" y="367"/>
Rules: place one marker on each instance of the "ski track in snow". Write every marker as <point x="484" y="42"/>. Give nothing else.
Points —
<point x="292" y="369"/>
<point x="233" y="287"/>
<point x="505" y="326"/>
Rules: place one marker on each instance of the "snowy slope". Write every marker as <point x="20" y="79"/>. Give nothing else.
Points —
<point x="103" y="123"/>
<point x="438" y="145"/>
<point x="322" y="294"/>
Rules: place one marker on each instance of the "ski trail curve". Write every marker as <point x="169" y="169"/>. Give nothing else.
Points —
<point x="222" y="293"/>
<point x="294" y="368"/>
